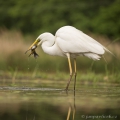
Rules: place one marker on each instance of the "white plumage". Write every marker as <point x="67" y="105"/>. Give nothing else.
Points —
<point x="71" y="40"/>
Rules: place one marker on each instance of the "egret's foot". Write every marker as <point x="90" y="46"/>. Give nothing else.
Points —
<point x="66" y="89"/>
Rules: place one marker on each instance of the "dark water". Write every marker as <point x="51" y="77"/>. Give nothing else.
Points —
<point x="46" y="100"/>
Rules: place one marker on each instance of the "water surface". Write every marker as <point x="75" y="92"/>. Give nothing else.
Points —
<point x="47" y="100"/>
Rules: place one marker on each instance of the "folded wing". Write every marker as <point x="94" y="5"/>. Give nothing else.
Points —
<point x="72" y="40"/>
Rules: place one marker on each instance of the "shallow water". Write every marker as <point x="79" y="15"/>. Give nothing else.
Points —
<point x="47" y="100"/>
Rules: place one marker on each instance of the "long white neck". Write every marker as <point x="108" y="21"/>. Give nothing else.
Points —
<point x="49" y="45"/>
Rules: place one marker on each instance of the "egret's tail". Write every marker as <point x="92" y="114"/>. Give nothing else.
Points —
<point x="96" y="56"/>
<point x="108" y="51"/>
<point x="92" y="56"/>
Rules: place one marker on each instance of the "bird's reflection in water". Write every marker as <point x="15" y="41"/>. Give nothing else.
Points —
<point x="71" y="109"/>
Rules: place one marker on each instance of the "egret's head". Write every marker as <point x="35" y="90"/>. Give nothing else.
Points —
<point x="41" y="38"/>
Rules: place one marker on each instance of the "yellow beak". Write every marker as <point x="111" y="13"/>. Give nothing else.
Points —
<point x="34" y="44"/>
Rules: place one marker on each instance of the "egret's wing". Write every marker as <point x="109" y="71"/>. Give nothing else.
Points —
<point x="72" y="40"/>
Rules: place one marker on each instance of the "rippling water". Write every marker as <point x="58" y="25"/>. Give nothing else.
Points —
<point x="47" y="100"/>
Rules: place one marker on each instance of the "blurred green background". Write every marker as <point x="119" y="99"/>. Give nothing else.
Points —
<point x="22" y="21"/>
<point x="37" y="16"/>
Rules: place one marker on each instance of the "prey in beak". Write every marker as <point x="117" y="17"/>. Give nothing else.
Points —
<point x="32" y="48"/>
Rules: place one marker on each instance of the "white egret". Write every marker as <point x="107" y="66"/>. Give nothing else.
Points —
<point x="69" y="42"/>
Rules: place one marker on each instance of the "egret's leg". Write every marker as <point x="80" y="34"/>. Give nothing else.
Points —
<point x="69" y="112"/>
<point x="70" y="67"/>
<point x="74" y="108"/>
<point x="75" y="73"/>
